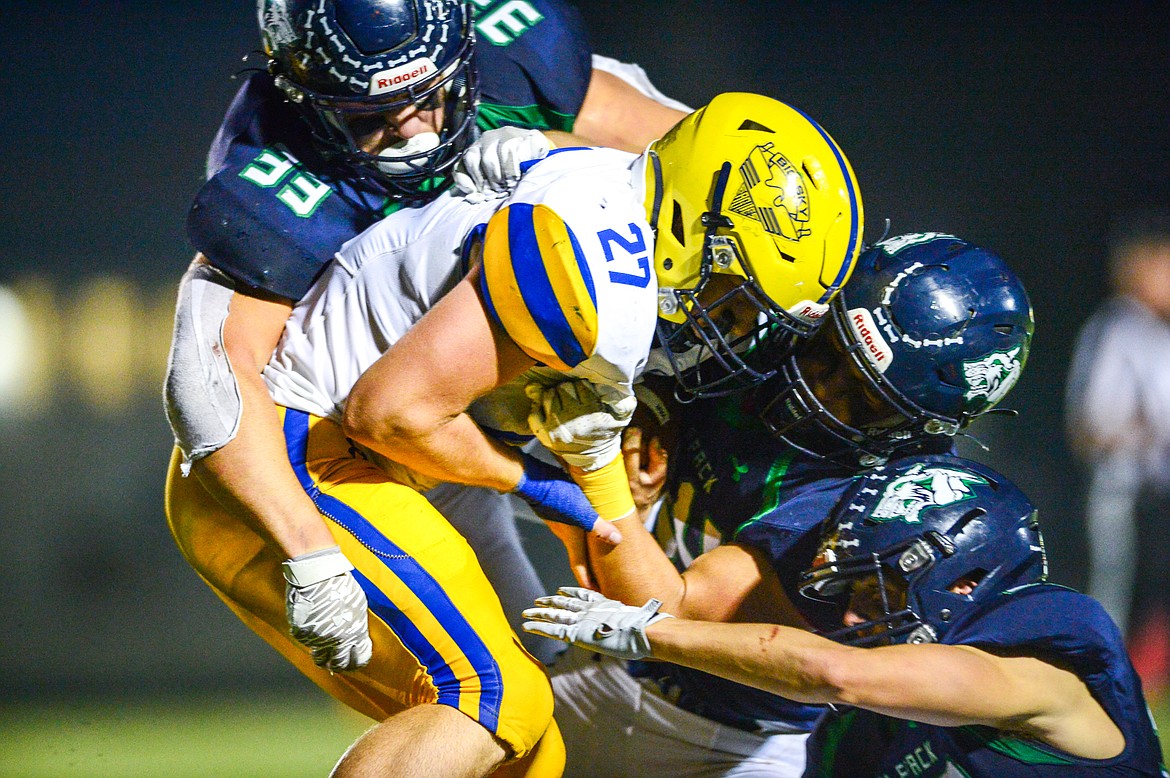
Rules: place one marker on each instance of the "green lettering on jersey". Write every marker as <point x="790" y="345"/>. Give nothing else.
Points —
<point x="835" y="728"/>
<point x="738" y="470"/>
<point x="302" y="192"/>
<point x="1013" y="748"/>
<point x="506" y="22"/>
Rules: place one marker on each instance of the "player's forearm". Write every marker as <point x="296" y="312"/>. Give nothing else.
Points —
<point x="252" y="477"/>
<point x="785" y="661"/>
<point x="453" y="450"/>
<point x="636" y="569"/>
<point x="252" y="474"/>
<point x="617" y="115"/>
<point x="410" y="406"/>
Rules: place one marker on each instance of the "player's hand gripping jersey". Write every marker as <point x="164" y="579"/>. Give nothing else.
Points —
<point x="274" y="211"/>
<point x="566" y="274"/>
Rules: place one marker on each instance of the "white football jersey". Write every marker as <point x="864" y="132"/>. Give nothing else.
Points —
<point x="568" y="273"/>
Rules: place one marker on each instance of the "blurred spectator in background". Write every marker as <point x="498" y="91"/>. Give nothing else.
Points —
<point x="1119" y="423"/>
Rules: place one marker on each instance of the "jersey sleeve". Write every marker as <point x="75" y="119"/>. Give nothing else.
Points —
<point x="1050" y="619"/>
<point x="271" y="214"/>
<point x="534" y="62"/>
<point x="538" y="287"/>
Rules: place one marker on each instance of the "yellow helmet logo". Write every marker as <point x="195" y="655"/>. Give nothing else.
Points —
<point x="773" y="193"/>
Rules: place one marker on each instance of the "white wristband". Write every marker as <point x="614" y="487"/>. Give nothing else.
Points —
<point x="315" y="566"/>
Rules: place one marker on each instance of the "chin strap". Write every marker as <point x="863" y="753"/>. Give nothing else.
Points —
<point x="714" y="218"/>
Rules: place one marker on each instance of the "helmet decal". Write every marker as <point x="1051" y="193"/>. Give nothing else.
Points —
<point x="993" y="376"/>
<point x="898" y="242"/>
<point x="922" y="488"/>
<point x="778" y="200"/>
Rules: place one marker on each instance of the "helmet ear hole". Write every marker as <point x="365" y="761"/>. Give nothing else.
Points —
<point x="965" y="584"/>
<point x="749" y="124"/>
<point x="959" y="527"/>
<point x="676" y="225"/>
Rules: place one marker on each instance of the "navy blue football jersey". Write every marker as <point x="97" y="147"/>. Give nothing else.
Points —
<point x="273" y="212"/>
<point x="1043" y="618"/>
<point x="734" y="482"/>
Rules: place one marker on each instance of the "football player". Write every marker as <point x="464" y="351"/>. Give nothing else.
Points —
<point x="434" y="307"/>
<point x="364" y="106"/>
<point x="950" y="656"/>
<point x="902" y="364"/>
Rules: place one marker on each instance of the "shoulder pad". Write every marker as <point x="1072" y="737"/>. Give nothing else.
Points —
<point x="275" y="237"/>
<point x="538" y="287"/>
<point x="1048" y="618"/>
<point x="534" y="62"/>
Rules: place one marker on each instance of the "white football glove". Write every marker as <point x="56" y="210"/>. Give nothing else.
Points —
<point x="327" y="609"/>
<point x="580" y="421"/>
<point x="490" y="167"/>
<point x="587" y="619"/>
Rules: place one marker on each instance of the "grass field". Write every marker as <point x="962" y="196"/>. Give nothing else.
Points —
<point x="288" y="737"/>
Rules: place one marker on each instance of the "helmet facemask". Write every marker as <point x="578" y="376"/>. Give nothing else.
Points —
<point x="731" y="335"/>
<point x="878" y="422"/>
<point x="890" y="574"/>
<point x="421" y="169"/>
<point x="352" y="67"/>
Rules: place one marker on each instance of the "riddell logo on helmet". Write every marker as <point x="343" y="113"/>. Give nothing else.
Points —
<point x="808" y="311"/>
<point x="867" y="333"/>
<point x="402" y="76"/>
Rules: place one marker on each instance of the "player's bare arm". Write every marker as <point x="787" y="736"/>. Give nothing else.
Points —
<point x="617" y="115"/>
<point x="938" y="684"/>
<point x="411" y="404"/>
<point x="251" y="474"/>
<point x="729" y="583"/>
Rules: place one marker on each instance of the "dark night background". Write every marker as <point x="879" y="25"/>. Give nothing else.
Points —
<point x="1025" y="127"/>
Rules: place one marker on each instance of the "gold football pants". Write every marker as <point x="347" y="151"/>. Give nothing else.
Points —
<point x="439" y="632"/>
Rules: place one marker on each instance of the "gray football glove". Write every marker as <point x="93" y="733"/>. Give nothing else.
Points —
<point x="580" y="421"/>
<point x="327" y="609"/>
<point x="589" y="620"/>
<point x="490" y="167"/>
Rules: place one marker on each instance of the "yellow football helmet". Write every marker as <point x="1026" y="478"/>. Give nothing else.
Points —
<point x="757" y="215"/>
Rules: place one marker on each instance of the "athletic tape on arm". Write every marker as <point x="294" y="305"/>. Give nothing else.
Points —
<point x="201" y="394"/>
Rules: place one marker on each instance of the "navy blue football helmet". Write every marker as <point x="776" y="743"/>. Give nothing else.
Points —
<point x="348" y="63"/>
<point x="921" y="525"/>
<point x="929" y="333"/>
